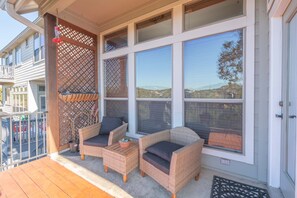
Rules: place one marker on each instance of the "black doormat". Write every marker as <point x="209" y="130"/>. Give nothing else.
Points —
<point x="225" y="188"/>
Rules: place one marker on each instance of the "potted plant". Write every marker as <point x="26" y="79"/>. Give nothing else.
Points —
<point x="125" y="142"/>
<point x="73" y="146"/>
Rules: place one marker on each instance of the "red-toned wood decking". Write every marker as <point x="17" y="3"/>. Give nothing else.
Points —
<point x="45" y="178"/>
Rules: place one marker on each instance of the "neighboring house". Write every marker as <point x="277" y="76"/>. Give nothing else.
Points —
<point x="224" y="68"/>
<point x="22" y="72"/>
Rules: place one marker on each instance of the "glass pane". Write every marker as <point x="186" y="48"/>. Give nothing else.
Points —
<point x="117" y="108"/>
<point x="206" y="12"/>
<point x="153" y="116"/>
<point x="155" y="27"/>
<point x="213" y="66"/>
<point x="220" y="124"/>
<point x="116" y="40"/>
<point x="154" y="73"/>
<point x="115" y="77"/>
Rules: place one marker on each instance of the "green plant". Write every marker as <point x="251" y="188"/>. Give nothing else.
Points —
<point x="125" y="139"/>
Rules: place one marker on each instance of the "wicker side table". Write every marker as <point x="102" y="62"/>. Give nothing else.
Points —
<point x="122" y="160"/>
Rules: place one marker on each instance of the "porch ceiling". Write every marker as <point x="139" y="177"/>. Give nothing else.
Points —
<point x="98" y="15"/>
<point x="100" y="12"/>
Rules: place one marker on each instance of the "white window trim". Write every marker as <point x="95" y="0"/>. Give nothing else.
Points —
<point x="39" y="49"/>
<point x="176" y="40"/>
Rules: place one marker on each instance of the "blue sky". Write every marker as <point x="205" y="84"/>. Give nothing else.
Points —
<point x="10" y="28"/>
<point x="154" y="67"/>
<point x="201" y="60"/>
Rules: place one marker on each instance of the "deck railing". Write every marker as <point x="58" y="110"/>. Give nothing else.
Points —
<point x="22" y="138"/>
<point x="6" y="72"/>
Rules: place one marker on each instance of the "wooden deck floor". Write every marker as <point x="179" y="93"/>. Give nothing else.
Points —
<point x="45" y="178"/>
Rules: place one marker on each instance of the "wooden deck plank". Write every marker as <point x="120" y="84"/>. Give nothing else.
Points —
<point x="43" y="183"/>
<point x="46" y="178"/>
<point x="25" y="182"/>
<point x="78" y="181"/>
<point x="88" y="189"/>
<point x="9" y="187"/>
<point x="63" y="183"/>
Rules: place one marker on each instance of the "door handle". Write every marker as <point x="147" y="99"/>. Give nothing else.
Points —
<point x="279" y="116"/>
<point x="292" y="116"/>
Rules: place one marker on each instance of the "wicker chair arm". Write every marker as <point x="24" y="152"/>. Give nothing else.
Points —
<point x="184" y="162"/>
<point x="88" y="132"/>
<point x="151" y="139"/>
<point x="117" y="134"/>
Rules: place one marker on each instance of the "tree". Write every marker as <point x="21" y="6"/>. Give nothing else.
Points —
<point x="230" y="63"/>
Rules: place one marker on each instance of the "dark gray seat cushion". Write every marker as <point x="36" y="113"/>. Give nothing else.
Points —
<point x="110" y="123"/>
<point x="157" y="162"/>
<point x="164" y="149"/>
<point x="99" y="141"/>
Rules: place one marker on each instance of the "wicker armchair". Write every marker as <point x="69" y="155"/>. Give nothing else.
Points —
<point x="94" y="130"/>
<point x="185" y="163"/>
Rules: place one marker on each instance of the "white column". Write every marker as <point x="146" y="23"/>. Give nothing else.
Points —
<point x="131" y="83"/>
<point x="275" y="95"/>
<point x="177" y="89"/>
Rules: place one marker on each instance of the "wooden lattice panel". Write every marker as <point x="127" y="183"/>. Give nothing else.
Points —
<point x="76" y="72"/>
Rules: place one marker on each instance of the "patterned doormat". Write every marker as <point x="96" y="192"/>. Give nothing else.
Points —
<point x="225" y="188"/>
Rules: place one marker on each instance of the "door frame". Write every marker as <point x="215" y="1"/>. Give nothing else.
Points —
<point x="287" y="18"/>
<point x="276" y="12"/>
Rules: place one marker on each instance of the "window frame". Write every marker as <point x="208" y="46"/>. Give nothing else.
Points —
<point x="176" y="39"/>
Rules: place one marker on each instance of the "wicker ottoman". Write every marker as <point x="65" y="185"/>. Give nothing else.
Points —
<point x="122" y="160"/>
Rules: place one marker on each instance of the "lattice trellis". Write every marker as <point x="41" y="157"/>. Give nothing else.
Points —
<point x="76" y="72"/>
<point x="116" y="77"/>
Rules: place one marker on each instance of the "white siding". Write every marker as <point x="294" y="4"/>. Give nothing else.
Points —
<point x="29" y="71"/>
<point x="27" y="52"/>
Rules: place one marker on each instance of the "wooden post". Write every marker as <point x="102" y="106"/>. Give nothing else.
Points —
<point x="53" y="132"/>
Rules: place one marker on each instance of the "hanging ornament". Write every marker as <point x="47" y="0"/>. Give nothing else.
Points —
<point x="57" y="38"/>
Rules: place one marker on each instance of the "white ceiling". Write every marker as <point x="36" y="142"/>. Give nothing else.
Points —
<point x="102" y="11"/>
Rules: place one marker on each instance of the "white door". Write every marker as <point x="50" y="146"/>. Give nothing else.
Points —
<point x="288" y="161"/>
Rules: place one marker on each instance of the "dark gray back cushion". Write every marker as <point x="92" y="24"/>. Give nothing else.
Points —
<point x="110" y="123"/>
<point x="164" y="149"/>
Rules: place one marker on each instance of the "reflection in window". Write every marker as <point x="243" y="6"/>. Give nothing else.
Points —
<point x="154" y="73"/>
<point x="213" y="69"/>
<point x="213" y="66"/>
<point x="155" y="27"/>
<point x="153" y="89"/>
<point x="116" y="87"/>
<point x="115" y="77"/>
<point x="206" y="12"/>
<point x="117" y="108"/>
<point x="116" y="40"/>
<point x="153" y="116"/>
<point x="219" y="124"/>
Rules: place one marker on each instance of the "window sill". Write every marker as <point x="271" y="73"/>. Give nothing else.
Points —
<point x="35" y="63"/>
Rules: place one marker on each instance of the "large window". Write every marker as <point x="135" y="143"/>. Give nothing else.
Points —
<point x="155" y="27"/>
<point x="116" y="87"/>
<point x="38" y="47"/>
<point x="153" y="89"/>
<point x="206" y="12"/>
<point x="213" y="87"/>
